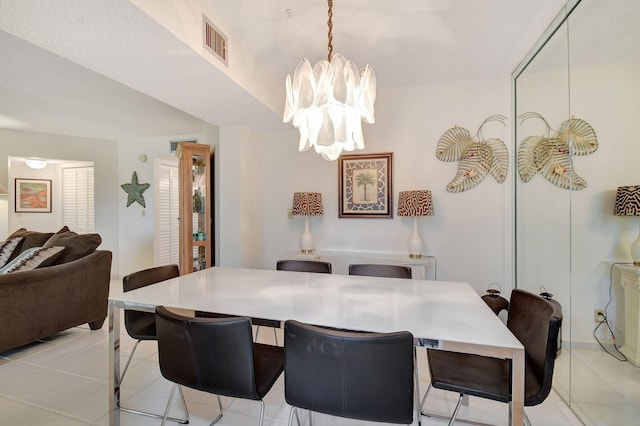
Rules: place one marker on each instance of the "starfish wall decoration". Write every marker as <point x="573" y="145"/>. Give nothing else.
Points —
<point x="134" y="190"/>
<point x="477" y="156"/>
<point x="552" y="155"/>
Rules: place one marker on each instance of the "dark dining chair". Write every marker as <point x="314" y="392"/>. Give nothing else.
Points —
<point x="300" y="265"/>
<point x="535" y="322"/>
<point x="376" y="270"/>
<point x="142" y="325"/>
<point x="296" y="265"/>
<point x="496" y="302"/>
<point x="355" y="375"/>
<point x="215" y="355"/>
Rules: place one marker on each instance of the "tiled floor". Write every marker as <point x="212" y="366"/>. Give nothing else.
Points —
<point x="63" y="381"/>
<point x="602" y="390"/>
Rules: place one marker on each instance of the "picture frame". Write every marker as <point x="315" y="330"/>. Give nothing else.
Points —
<point x="365" y="185"/>
<point x="32" y="195"/>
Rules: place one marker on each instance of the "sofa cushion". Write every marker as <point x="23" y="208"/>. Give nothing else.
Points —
<point x="7" y="248"/>
<point x="33" y="258"/>
<point x="77" y="245"/>
<point x="30" y="239"/>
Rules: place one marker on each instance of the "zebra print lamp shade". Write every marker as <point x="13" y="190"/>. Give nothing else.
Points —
<point x="628" y="204"/>
<point x="307" y="204"/>
<point x="627" y="201"/>
<point x="415" y="203"/>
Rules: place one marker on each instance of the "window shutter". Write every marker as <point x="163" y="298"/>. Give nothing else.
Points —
<point x="78" y="198"/>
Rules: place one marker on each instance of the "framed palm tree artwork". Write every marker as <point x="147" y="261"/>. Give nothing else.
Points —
<point x="365" y="185"/>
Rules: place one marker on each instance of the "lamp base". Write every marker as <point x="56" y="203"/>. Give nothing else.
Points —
<point x="307" y="245"/>
<point x="415" y="242"/>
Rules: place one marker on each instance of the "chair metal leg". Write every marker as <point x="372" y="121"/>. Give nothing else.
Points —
<point x="424" y="399"/>
<point x="129" y="360"/>
<point x="457" y="409"/>
<point x="261" y="411"/>
<point x="291" y="413"/>
<point x="219" y="411"/>
<point x="165" y="417"/>
<point x="416" y="379"/>
<point x="184" y="420"/>
<point x="454" y="416"/>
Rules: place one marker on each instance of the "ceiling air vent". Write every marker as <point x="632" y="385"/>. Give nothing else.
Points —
<point x="173" y="145"/>
<point x="214" y="41"/>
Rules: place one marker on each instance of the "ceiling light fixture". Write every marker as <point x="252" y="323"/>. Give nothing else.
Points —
<point x="36" y="163"/>
<point x="328" y="102"/>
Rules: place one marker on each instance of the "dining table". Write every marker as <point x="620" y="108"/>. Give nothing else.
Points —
<point x="443" y="315"/>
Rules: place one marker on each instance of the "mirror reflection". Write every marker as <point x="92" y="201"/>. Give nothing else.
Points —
<point x="569" y="242"/>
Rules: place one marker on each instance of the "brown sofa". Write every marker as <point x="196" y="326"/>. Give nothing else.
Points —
<point x="38" y="303"/>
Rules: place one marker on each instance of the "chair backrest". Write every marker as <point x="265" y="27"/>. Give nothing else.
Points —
<point x="213" y="355"/>
<point x="496" y="302"/>
<point x="536" y="323"/>
<point x="364" y="376"/>
<point x="375" y="270"/>
<point x="141" y="325"/>
<point x="149" y="276"/>
<point x="304" y="266"/>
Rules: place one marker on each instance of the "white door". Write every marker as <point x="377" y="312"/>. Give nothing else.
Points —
<point x="166" y="230"/>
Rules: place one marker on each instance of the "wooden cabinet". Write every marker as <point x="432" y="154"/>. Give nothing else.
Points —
<point x="194" y="170"/>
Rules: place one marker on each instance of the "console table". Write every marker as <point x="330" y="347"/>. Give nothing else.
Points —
<point x="630" y="282"/>
<point x="422" y="268"/>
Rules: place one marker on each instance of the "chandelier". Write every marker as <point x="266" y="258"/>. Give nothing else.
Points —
<point x="328" y="102"/>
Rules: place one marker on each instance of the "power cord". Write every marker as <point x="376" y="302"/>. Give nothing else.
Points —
<point x="622" y="357"/>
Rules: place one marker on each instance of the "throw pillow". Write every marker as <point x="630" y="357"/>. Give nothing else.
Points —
<point x="77" y="245"/>
<point x="32" y="258"/>
<point x="7" y="248"/>
<point x="31" y="239"/>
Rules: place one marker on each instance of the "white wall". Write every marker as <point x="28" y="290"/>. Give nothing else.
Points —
<point x="136" y="222"/>
<point x="4" y="217"/>
<point x="470" y="233"/>
<point x="101" y="152"/>
<point x="43" y="222"/>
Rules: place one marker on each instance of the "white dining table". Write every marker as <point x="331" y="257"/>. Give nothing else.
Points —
<point x="440" y="314"/>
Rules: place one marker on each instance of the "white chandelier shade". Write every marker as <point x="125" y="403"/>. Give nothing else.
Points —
<point x="327" y="104"/>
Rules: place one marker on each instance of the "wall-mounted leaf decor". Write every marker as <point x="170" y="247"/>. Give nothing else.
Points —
<point x="476" y="155"/>
<point x="551" y="154"/>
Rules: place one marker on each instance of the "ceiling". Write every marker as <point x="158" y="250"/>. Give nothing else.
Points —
<point x="106" y="70"/>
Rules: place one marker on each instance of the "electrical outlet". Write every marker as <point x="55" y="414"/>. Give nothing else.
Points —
<point x="598" y="315"/>
<point x="290" y="213"/>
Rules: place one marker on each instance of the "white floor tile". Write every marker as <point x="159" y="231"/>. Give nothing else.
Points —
<point x="64" y="381"/>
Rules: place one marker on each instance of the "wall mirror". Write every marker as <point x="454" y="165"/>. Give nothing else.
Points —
<point x="586" y="66"/>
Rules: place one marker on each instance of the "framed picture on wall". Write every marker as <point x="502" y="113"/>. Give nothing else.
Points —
<point x="365" y="185"/>
<point x="33" y="195"/>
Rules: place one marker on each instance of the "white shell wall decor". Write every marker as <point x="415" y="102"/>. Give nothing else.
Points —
<point x="476" y="156"/>
<point x="551" y="155"/>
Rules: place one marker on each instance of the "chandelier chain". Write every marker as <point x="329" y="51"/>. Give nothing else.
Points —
<point x="329" y="35"/>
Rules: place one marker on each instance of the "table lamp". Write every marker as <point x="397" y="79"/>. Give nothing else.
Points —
<point x="307" y="204"/>
<point x="628" y="204"/>
<point x="415" y="203"/>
